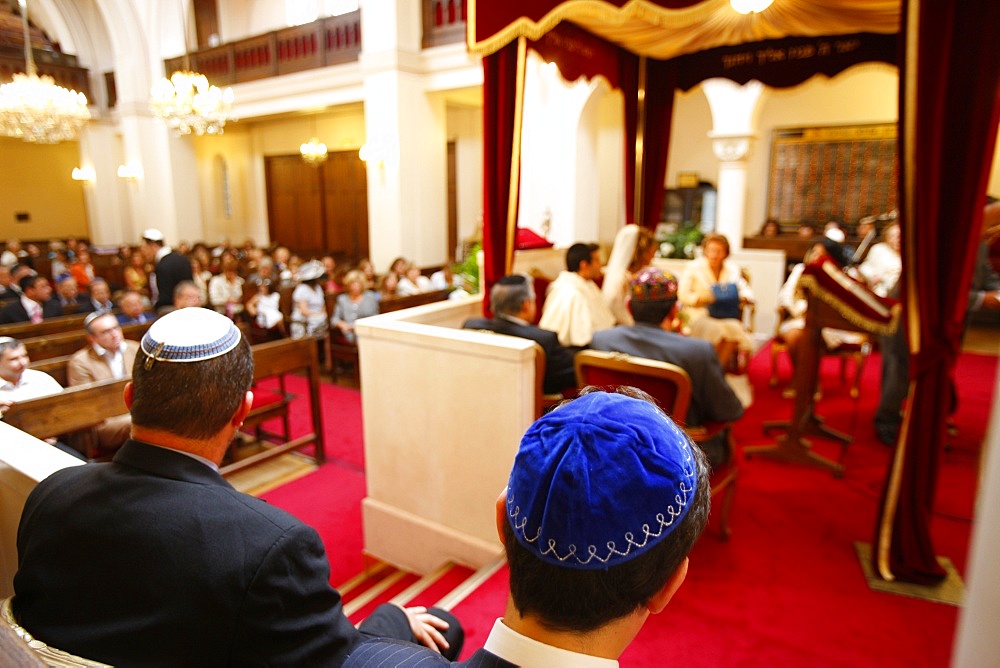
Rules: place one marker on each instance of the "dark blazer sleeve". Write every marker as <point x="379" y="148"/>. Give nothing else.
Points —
<point x="291" y="614"/>
<point x="559" y="371"/>
<point x="14" y="312"/>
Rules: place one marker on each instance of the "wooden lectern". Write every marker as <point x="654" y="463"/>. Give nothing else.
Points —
<point x="834" y="300"/>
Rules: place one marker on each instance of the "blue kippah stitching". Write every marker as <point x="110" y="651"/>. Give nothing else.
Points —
<point x="552" y="548"/>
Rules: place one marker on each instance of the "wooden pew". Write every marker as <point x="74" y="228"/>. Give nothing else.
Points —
<point x="86" y="406"/>
<point x="66" y="343"/>
<point x="25" y="330"/>
<point x="74" y="409"/>
<point x="57" y="367"/>
<point x="275" y="359"/>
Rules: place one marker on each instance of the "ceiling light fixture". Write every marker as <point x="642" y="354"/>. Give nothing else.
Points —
<point x="313" y="152"/>
<point x="34" y="108"/>
<point x="187" y="103"/>
<point x="750" y="6"/>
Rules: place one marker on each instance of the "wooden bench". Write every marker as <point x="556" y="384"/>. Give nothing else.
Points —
<point x="66" y="343"/>
<point x="274" y="360"/>
<point x="25" y="330"/>
<point x="80" y="408"/>
<point x="75" y="409"/>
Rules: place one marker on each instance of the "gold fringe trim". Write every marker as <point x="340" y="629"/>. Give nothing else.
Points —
<point x="812" y="286"/>
<point x="598" y="10"/>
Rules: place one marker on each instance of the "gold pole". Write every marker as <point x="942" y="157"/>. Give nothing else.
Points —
<point x="640" y="134"/>
<point x="515" y="154"/>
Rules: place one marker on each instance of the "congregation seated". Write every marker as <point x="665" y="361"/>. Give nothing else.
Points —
<point x="70" y="299"/>
<point x="81" y="268"/>
<point x="36" y="302"/>
<point x="512" y="299"/>
<point x="712" y="292"/>
<point x="8" y="293"/>
<point x="99" y="293"/>
<point x="653" y="302"/>
<point x="19" y="383"/>
<point x="225" y="290"/>
<point x="107" y="355"/>
<point x="135" y="274"/>
<point x="132" y="307"/>
<point x="574" y="306"/>
<point x="412" y="282"/>
<point x="354" y="303"/>
<point x="309" y="317"/>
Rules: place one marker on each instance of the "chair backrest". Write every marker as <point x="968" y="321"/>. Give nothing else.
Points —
<point x="669" y="384"/>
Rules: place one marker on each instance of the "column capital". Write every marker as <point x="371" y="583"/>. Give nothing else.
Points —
<point x="732" y="147"/>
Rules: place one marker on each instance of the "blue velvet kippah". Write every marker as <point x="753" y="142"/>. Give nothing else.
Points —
<point x="190" y="335"/>
<point x="599" y="481"/>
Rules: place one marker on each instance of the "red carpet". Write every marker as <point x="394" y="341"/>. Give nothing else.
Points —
<point x="787" y="588"/>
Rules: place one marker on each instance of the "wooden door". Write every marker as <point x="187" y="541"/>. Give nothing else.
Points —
<point x="345" y="203"/>
<point x="317" y="210"/>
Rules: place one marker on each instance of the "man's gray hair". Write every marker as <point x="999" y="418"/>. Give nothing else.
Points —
<point x="510" y="293"/>
<point x="9" y="343"/>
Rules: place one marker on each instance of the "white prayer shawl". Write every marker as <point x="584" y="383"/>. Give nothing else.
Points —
<point x="575" y="309"/>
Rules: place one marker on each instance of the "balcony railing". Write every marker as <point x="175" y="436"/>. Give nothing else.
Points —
<point x="329" y="41"/>
<point x="444" y="22"/>
<point x="60" y="66"/>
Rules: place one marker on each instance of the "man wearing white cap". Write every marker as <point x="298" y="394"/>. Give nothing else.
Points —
<point x="605" y="500"/>
<point x="154" y="558"/>
<point x="171" y="268"/>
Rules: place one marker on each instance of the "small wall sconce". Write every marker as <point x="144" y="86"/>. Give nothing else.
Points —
<point x="132" y="171"/>
<point x="380" y="151"/>
<point x="85" y="174"/>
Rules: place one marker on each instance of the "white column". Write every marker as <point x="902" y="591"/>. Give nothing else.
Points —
<point x="405" y="132"/>
<point x="732" y="137"/>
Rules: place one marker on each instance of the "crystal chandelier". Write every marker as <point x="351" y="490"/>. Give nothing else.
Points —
<point x="34" y="108"/>
<point x="313" y="152"/>
<point x="188" y="103"/>
<point x="750" y="6"/>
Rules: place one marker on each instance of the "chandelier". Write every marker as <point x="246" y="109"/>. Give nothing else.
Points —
<point x="750" y="6"/>
<point x="313" y="152"/>
<point x="188" y="103"/>
<point x="34" y="108"/>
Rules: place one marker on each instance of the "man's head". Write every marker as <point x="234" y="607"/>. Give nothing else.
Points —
<point x="191" y="375"/>
<point x="186" y="294"/>
<point x="514" y="295"/>
<point x="13" y="359"/>
<point x="131" y="304"/>
<point x="19" y="271"/>
<point x="5" y="279"/>
<point x="36" y="288"/>
<point x="103" y="330"/>
<point x="652" y="296"/>
<point x="605" y="500"/>
<point x="67" y="288"/>
<point x="152" y="242"/>
<point x="100" y="291"/>
<point x="584" y="259"/>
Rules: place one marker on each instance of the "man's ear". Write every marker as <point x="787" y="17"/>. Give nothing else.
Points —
<point x="659" y="600"/>
<point x="241" y="413"/>
<point x="127" y="395"/>
<point x="502" y="514"/>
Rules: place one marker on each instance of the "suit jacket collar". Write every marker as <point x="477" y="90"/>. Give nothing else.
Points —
<point x="166" y="463"/>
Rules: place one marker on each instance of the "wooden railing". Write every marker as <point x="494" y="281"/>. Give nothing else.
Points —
<point x="60" y="66"/>
<point x="444" y="22"/>
<point x="328" y="41"/>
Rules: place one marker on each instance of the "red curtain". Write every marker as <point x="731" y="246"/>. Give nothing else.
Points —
<point x="501" y="99"/>
<point x="661" y="80"/>
<point x="949" y="110"/>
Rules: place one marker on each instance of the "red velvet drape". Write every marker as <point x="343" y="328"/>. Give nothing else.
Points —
<point x="501" y="99"/>
<point x="661" y="81"/>
<point x="949" y="110"/>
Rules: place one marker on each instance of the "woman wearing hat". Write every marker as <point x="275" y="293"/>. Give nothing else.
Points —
<point x="309" y="303"/>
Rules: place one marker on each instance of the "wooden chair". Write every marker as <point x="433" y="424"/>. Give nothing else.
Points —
<point x="670" y="385"/>
<point x="856" y="352"/>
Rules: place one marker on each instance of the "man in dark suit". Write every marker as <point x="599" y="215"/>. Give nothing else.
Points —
<point x="70" y="299"/>
<point x="514" y="308"/>
<point x="36" y="302"/>
<point x="605" y="500"/>
<point x="171" y="268"/>
<point x="154" y="558"/>
<point x="653" y="301"/>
